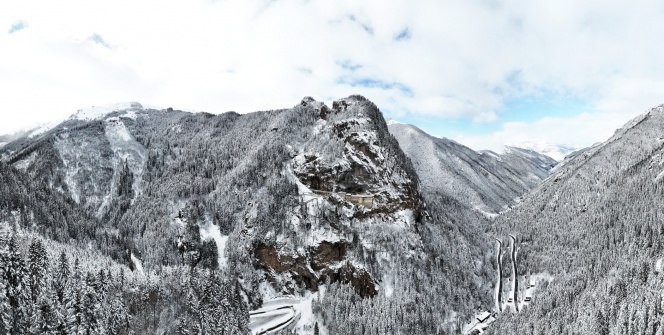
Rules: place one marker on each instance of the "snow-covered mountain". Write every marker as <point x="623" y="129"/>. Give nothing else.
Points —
<point x="309" y="199"/>
<point x="485" y="181"/>
<point x="594" y="230"/>
<point x="555" y="151"/>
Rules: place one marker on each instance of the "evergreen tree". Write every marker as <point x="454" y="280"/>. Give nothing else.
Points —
<point x="37" y="267"/>
<point x="16" y="284"/>
<point x="62" y="274"/>
<point x="6" y="321"/>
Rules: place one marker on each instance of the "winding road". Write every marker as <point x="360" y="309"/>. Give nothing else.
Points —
<point x="515" y="281"/>
<point x="499" y="280"/>
<point x="274" y="316"/>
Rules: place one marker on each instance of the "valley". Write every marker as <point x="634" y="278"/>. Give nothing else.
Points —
<point x="328" y="218"/>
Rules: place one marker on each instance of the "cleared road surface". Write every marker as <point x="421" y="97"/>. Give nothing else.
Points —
<point x="274" y="316"/>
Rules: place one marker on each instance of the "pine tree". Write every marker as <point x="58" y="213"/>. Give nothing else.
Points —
<point x="119" y="317"/>
<point x="90" y="307"/>
<point x="6" y="321"/>
<point x="37" y="267"/>
<point x="72" y="301"/>
<point x="62" y="274"/>
<point x="15" y="279"/>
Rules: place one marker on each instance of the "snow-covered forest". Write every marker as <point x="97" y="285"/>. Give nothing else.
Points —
<point x="133" y="220"/>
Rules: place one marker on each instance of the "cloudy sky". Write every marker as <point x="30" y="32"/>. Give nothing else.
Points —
<point x="485" y="73"/>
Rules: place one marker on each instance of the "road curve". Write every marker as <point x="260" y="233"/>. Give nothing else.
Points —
<point x="274" y="316"/>
<point x="499" y="283"/>
<point x="515" y="282"/>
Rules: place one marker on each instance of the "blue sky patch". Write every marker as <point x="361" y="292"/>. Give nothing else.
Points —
<point x="376" y="83"/>
<point x="405" y="34"/>
<point x="524" y="109"/>
<point x="20" y="25"/>
<point x="348" y="65"/>
<point x="364" y="26"/>
<point x="99" y="40"/>
<point x="544" y="104"/>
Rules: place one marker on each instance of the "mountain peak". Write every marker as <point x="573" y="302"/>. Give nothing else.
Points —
<point x="555" y="151"/>
<point x="97" y="112"/>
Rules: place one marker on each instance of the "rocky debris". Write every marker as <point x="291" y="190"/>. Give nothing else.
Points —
<point x="326" y="260"/>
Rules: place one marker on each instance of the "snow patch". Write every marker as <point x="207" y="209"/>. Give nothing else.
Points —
<point x="388" y="290"/>
<point x="24" y="163"/>
<point x="126" y="149"/>
<point x="659" y="265"/>
<point x="131" y="114"/>
<point x="480" y="323"/>
<point x="488" y="215"/>
<point x="392" y="122"/>
<point x="555" y="151"/>
<point x="211" y="231"/>
<point x="659" y="176"/>
<point x="43" y="128"/>
<point x="98" y="112"/>
<point x="137" y="263"/>
<point x="405" y="217"/>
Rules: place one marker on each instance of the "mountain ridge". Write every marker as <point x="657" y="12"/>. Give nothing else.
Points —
<point x="159" y="180"/>
<point x="486" y="181"/>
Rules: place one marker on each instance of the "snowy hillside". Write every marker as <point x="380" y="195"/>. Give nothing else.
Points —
<point x="555" y="151"/>
<point x="484" y="181"/>
<point x="595" y="226"/>
<point x="297" y="201"/>
<point x="98" y="112"/>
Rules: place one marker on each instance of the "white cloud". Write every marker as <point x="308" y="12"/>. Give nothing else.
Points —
<point x="460" y="59"/>
<point x="578" y="131"/>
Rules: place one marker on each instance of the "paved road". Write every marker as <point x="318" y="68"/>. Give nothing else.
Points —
<point x="274" y="316"/>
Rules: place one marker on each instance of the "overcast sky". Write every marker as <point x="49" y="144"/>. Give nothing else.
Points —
<point x="485" y="73"/>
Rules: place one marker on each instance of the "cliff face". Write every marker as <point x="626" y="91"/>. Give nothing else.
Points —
<point x="351" y="152"/>
<point x="326" y="262"/>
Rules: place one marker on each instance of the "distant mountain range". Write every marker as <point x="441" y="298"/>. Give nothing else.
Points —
<point x="483" y="181"/>
<point x="557" y="152"/>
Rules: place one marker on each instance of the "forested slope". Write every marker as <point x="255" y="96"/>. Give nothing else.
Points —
<point x="596" y="227"/>
<point x="483" y="181"/>
<point x="261" y="203"/>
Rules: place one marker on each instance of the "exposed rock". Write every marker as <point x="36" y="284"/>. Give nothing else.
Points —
<point x="328" y="253"/>
<point x="326" y="260"/>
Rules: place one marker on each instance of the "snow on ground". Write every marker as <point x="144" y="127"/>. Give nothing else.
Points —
<point x="126" y="149"/>
<point x="388" y="289"/>
<point x="488" y="215"/>
<point x="97" y="112"/>
<point x="480" y="323"/>
<point x="211" y="231"/>
<point x="540" y="278"/>
<point x="130" y="115"/>
<point x="277" y="314"/>
<point x="137" y="264"/>
<point x="659" y="176"/>
<point x="405" y="217"/>
<point x="557" y="152"/>
<point x="24" y="163"/>
<point x="659" y="265"/>
<point x="307" y="317"/>
<point x="71" y="170"/>
<point x="43" y="128"/>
